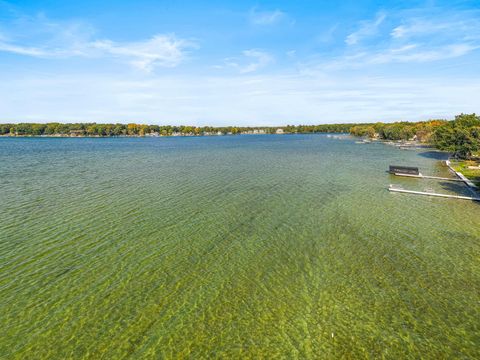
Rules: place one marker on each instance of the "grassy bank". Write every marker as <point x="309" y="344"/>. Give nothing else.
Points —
<point x="467" y="168"/>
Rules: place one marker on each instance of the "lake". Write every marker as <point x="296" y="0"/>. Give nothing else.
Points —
<point x="232" y="247"/>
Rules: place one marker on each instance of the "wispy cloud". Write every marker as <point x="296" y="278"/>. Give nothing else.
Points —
<point x="411" y="36"/>
<point x="367" y="29"/>
<point x="407" y="54"/>
<point x="327" y="36"/>
<point x="252" y="60"/>
<point x="463" y="25"/>
<point x="418" y="27"/>
<point x="412" y="53"/>
<point x="266" y="17"/>
<point x="261" y="59"/>
<point x="43" y="38"/>
<point x="23" y="50"/>
<point x="160" y="50"/>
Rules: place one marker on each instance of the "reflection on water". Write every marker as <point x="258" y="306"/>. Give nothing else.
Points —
<point x="249" y="246"/>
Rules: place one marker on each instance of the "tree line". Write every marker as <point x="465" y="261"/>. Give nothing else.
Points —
<point x="460" y="136"/>
<point x="94" y="129"/>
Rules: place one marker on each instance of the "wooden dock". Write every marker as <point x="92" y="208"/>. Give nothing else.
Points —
<point x="393" y="189"/>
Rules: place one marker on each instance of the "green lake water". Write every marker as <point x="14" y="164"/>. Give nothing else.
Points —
<point x="232" y="247"/>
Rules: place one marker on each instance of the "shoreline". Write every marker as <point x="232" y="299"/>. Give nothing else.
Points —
<point x="161" y="136"/>
<point x="469" y="180"/>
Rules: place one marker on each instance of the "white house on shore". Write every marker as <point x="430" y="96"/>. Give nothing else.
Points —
<point x="279" y="131"/>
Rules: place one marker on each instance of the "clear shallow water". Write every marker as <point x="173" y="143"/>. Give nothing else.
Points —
<point x="234" y="247"/>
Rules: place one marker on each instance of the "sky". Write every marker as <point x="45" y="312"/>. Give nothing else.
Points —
<point x="245" y="63"/>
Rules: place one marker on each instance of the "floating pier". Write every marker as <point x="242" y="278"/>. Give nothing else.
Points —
<point x="393" y="189"/>
<point x="420" y="176"/>
<point x="413" y="172"/>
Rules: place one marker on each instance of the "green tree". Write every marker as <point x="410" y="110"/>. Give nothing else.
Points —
<point x="457" y="140"/>
<point x="467" y="120"/>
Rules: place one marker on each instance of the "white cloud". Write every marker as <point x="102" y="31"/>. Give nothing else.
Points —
<point x="161" y="50"/>
<point x="367" y="29"/>
<point x="23" y="50"/>
<point x="42" y="38"/>
<point x="410" y="36"/>
<point x="455" y="27"/>
<point x="411" y="53"/>
<point x="291" y="53"/>
<point x="417" y="27"/>
<point x="262" y="59"/>
<point x="253" y="60"/>
<point x="407" y="54"/>
<point x="266" y="17"/>
<point x="327" y="36"/>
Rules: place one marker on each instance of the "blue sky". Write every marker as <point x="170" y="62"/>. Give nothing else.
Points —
<point x="238" y="63"/>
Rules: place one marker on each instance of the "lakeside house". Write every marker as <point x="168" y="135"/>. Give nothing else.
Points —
<point x="259" y="131"/>
<point x="254" y="132"/>
<point x="279" y="131"/>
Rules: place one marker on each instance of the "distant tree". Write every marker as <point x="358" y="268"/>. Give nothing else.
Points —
<point x="5" y="128"/>
<point x="360" y="130"/>
<point x="467" y="120"/>
<point x="457" y="140"/>
<point x="132" y="129"/>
